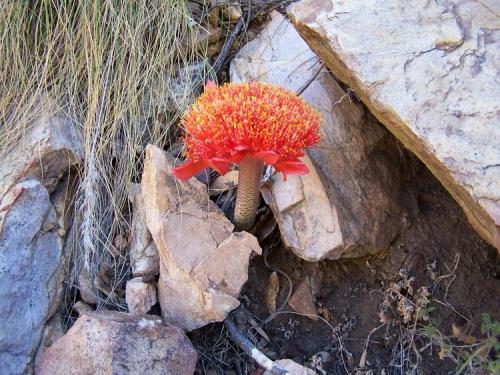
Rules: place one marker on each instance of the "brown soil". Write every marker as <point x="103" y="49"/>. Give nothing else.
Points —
<point x="439" y="249"/>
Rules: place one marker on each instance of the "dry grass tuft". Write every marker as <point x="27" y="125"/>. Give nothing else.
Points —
<point x="114" y="67"/>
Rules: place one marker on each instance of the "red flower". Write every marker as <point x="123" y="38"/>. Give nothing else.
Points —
<point x="264" y="121"/>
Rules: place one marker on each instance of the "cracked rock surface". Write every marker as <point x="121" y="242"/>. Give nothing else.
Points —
<point x="110" y="342"/>
<point x="203" y="264"/>
<point x="429" y="72"/>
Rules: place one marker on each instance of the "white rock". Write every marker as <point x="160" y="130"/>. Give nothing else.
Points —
<point x="293" y="368"/>
<point x="140" y="296"/>
<point x="203" y="265"/>
<point x="429" y="72"/>
<point x="349" y="204"/>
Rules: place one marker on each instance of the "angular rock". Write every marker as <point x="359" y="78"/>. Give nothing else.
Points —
<point x="53" y="331"/>
<point x="30" y="257"/>
<point x="429" y="72"/>
<point x="143" y="254"/>
<point x="88" y="292"/>
<point x="302" y="300"/>
<point x="203" y="265"/>
<point x="50" y="147"/>
<point x="140" y="296"/>
<point x="224" y="183"/>
<point x="349" y="204"/>
<point x="109" y="342"/>
<point x="293" y="368"/>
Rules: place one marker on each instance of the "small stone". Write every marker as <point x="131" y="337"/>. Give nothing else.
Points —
<point x="109" y="342"/>
<point x="81" y="307"/>
<point x="224" y="183"/>
<point x="140" y="296"/>
<point x="86" y="288"/>
<point x="302" y="300"/>
<point x="207" y="34"/>
<point x="293" y="368"/>
<point x="232" y="13"/>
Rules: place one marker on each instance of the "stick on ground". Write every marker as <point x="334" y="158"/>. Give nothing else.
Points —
<point x="251" y="350"/>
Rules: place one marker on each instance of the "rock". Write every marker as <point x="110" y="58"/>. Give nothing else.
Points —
<point x="140" y="296"/>
<point x="302" y="300"/>
<point x="350" y="203"/>
<point x="30" y="257"/>
<point x="109" y="342"/>
<point x="62" y="199"/>
<point x="232" y="13"/>
<point x="143" y="254"/>
<point x="53" y="331"/>
<point x="207" y="34"/>
<point x="88" y="291"/>
<point x="37" y="184"/>
<point x="47" y="151"/>
<point x="423" y="69"/>
<point x="293" y="368"/>
<point x="224" y="183"/>
<point x="81" y="307"/>
<point x="192" y="236"/>
<point x="186" y="85"/>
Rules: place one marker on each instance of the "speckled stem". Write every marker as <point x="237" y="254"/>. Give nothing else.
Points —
<point x="248" y="193"/>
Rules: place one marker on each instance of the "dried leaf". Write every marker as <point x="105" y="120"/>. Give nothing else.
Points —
<point x="272" y="292"/>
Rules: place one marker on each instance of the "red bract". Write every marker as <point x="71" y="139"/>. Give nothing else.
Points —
<point x="260" y="120"/>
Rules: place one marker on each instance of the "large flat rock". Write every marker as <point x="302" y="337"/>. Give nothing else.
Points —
<point x="349" y="204"/>
<point x="429" y="72"/>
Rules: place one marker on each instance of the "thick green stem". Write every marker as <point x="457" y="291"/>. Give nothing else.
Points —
<point x="248" y="194"/>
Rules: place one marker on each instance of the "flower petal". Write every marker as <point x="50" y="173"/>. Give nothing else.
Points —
<point x="241" y="148"/>
<point x="189" y="169"/>
<point x="291" y="167"/>
<point x="237" y="157"/>
<point x="219" y="164"/>
<point x="268" y="157"/>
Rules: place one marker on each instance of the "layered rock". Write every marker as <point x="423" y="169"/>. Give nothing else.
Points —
<point x="349" y="204"/>
<point x="33" y="224"/>
<point x="52" y="144"/>
<point x="109" y="342"/>
<point x="428" y="71"/>
<point x="143" y="253"/>
<point x="203" y="265"/>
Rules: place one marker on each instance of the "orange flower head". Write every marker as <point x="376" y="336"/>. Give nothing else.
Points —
<point x="236" y="120"/>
